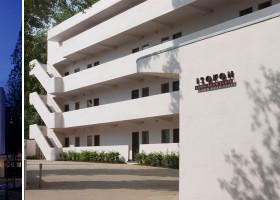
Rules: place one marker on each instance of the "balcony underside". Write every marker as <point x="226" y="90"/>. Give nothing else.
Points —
<point x="169" y="119"/>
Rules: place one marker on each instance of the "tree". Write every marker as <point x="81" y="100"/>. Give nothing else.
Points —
<point x="14" y="101"/>
<point x="39" y="16"/>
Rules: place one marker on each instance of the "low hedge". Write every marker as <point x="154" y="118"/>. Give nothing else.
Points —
<point x="34" y="157"/>
<point x="159" y="159"/>
<point x="92" y="156"/>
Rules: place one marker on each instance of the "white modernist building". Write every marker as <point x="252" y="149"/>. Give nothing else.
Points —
<point x="113" y="76"/>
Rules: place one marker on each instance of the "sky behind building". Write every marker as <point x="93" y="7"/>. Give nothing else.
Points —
<point x="10" y="24"/>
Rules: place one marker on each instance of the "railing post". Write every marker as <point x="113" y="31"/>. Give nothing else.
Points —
<point x="40" y="175"/>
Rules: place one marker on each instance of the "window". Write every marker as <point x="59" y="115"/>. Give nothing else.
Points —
<point x="246" y="11"/>
<point x="89" y="103"/>
<point x="164" y="88"/>
<point x="77" y="141"/>
<point x="67" y="142"/>
<point x="165" y="39"/>
<point x="96" y="63"/>
<point x="135" y="94"/>
<point x="76" y="70"/>
<point x="66" y="73"/>
<point x="77" y="105"/>
<point x="96" y="102"/>
<point x="145" y="92"/>
<point x="89" y="66"/>
<point x="146" y="46"/>
<point x="96" y="140"/>
<point x="89" y="140"/>
<point x="264" y="5"/>
<point x="176" y="135"/>
<point x="66" y="108"/>
<point x="145" y="137"/>
<point x="177" y="35"/>
<point x="165" y="136"/>
<point x="175" y="86"/>
<point x="135" y="50"/>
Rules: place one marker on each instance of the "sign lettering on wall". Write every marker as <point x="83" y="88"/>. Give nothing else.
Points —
<point x="215" y="82"/>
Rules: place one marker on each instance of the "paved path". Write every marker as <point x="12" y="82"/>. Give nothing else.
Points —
<point x="95" y="181"/>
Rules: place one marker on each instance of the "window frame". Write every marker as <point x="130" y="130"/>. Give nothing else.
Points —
<point x="89" y="101"/>
<point x="134" y="92"/>
<point x="260" y="6"/>
<point x="135" y="50"/>
<point x="163" y="137"/>
<point x="245" y="11"/>
<point x="147" y="90"/>
<point x="164" y="40"/>
<point x="145" y="46"/>
<point x="77" y="141"/>
<point x="96" y="63"/>
<point x="175" y="86"/>
<point x="77" y="70"/>
<point x="147" y="140"/>
<point x="66" y="106"/>
<point x="177" y="35"/>
<point x="96" y="102"/>
<point x="77" y="105"/>
<point x="163" y="88"/>
<point x="89" y="140"/>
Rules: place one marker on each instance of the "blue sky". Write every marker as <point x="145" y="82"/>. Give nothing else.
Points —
<point x="10" y="24"/>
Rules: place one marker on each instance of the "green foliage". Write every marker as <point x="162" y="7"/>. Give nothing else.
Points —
<point x="32" y="157"/>
<point x="159" y="159"/>
<point x="14" y="102"/>
<point x="92" y="156"/>
<point x="39" y="16"/>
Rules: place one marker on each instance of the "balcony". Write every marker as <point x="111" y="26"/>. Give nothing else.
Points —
<point x="136" y="22"/>
<point x="50" y="150"/>
<point x="51" y="84"/>
<point x="157" y="105"/>
<point x="149" y="61"/>
<point x="51" y="119"/>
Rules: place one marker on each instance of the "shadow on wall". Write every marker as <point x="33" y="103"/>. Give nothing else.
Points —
<point x="255" y="177"/>
<point x="164" y="64"/>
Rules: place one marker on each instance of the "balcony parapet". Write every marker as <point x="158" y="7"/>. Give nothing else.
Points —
<point x="51" y="84"/>
<point x="162" y="105"/>
<point x="37" y="133"/>
<point x="157" y="105"/>
<point x="130" y="19"/>
<point x="51" y="119"/>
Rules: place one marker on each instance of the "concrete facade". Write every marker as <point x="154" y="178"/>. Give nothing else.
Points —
<point x="228" y="137"/>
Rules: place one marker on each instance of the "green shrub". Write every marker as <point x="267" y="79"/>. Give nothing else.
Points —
<point x="85" y="156"/>
<point x="101" y="156"/>
<point x="112" y="156"/>
<point x="159" y="159"/>
<point x="64" y="156"/>
<point x="93" y="156"/>
<point x="171" y="160"/>
<point x="32" y="157"/>
<point x="141" y="157"/>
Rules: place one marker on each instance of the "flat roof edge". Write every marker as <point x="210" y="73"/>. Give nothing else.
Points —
<point x="80" y="17"/>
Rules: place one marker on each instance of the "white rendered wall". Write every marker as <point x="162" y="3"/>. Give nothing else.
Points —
<point x="121" y="93"/>
<point x="194" y="23"/>
<point x="128" y="19"/>
<point x="167" y="104"/>
<point x="122" y="134"/>
<point x="30" y="147"/>
<point x="234" y="124"/>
